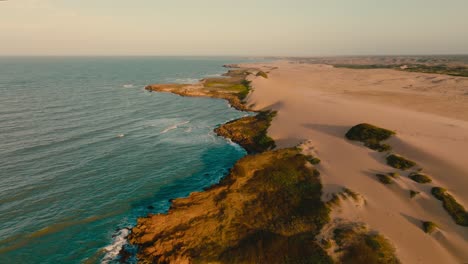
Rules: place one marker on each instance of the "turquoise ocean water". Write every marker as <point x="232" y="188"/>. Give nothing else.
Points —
<point x="85" y="150"/>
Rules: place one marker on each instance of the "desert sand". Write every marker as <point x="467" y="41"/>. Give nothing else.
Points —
<point x="319" y="103"/>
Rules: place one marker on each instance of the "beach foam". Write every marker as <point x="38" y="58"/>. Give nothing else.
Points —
<point x="174" y="127"/>
<point x="112" y="251"/>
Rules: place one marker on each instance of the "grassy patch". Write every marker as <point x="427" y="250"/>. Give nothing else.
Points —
<point x="313" y="160"/>
<point x="360" y="246"/>
<point x="267" y="210"/>
<point x="413" y="193"/>
<point x="334" y="201"/>
<point x="455" y="210"/>
<point x="423" y="68"/>
<point x="371" y="136"/>
<point x="420" y="178"/>
<point x="385" y="179"/>
<point x="429" y="227"/>
<point x="439" y="69"/>
<point x="262" y="74"/>
<point x="351" y="193"/>
<point x="250" y="132"/>
<point x="398" y="162"/>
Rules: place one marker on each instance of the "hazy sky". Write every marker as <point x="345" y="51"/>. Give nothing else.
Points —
<point x="228" y="27"/>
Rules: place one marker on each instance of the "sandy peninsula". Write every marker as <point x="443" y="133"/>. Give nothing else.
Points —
<point x="429" y="112"/>
<point x="306" y="193"/>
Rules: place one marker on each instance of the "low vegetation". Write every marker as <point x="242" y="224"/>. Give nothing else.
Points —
<point x="250" y="132"/>
<point x="413" y="193"/>
<point x="313" y="160"/>
<point x="398" y="162"/>
<point x="371" y="136"/>
<point x="267" y="210"/>
<point x="455" y="210"/>
<point x="262" y="74"/>
<point x="429" y="227"/>
<point x="357" y="245"/>
<point x="439" y="69"/>
<point x="234" y="87"/>
<point x="420" y="178"/>
<point x="351" y="193"/>
<point x="394" y="175"/>
<point x="385" y="179"/>
<point x="453" y="70"/>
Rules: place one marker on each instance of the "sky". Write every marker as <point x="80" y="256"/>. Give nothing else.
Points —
<point x="228" y="27"/>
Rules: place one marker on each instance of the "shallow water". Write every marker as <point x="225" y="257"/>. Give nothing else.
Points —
<point x="85" y="150"/>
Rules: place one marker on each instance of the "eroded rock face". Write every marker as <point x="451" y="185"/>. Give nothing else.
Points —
<point x="250" y="132"/>
<point x="267" y="210"/>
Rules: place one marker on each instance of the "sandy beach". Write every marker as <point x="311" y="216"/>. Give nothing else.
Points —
<point x="429" y="113"/>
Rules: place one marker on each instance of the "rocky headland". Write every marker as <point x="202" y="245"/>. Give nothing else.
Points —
<point x="269" y="209"/>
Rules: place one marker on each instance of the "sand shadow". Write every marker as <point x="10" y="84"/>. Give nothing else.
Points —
<point x="288" y="142"/>
<point x="276" y="106"/>
<point x="332" y="130"/>
<point x="330" y="189"/>
<point x="412" y="220"/>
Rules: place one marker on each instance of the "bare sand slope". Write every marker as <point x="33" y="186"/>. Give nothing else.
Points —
<point x="430" y="115"/>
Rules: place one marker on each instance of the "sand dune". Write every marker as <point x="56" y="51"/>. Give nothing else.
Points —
<point x="429" y="112"/>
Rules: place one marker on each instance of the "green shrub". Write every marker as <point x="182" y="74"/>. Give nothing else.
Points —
<point x="399" y="162"/>
<point x="351" y="193"/>
<point x="420" y="178"/>
<point x="385" y="179"/>
<point x="429" y="227"/>
<point x="374" y="145"/>
<point x="394" y="175"/>
<point x="364" y="132"/>
<point x="413" y="193"/>
<point x="438" y="192"/>
<point x="313" y="160"/>
<point x="262" y="74"/>
<point x="371" y="136"/>
<point x="360" y="246"/>
<point x="455" y="210"/>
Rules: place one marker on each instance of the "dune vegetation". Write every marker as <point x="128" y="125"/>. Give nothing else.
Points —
<point x="262" y="74"/>
<point x="385" y="179"/>
<point x="357" y="245"/>
<point x="399" y="162"/>
<point x="419" y="177"/>
<point x="371" y="136"/>
<point x="413" y="193"/>
<point x="429" y="227"/>
<point x="453" y="70"/>
<point x="455" y="210"/>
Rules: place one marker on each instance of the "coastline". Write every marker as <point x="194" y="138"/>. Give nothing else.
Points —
<point x="270" y="199"/>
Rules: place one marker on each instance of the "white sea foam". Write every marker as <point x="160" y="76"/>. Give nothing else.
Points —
<point x="174" y="127"/>
<point x="128" y="86"/>
<point x="235" y="145"/>
<point x="112" y="251"/>
<point x="214" y="75"/>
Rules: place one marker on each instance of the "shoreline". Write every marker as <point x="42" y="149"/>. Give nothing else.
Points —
<point x="169" y="237"/>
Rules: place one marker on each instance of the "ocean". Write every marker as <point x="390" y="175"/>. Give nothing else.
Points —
<point x="85" y="150"/>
